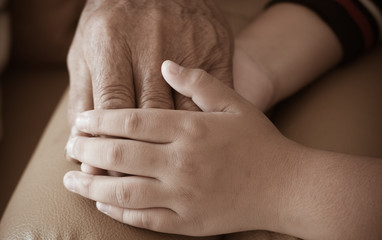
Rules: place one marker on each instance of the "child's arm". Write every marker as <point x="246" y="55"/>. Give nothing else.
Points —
<point x="281" y="51"/>
<point x="289" y="45"/>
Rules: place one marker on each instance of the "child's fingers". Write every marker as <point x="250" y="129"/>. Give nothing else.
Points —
<point x="125" y="156"/>
<point x="131" y="192"/>
<point x="208" y="93"/>
<point x="150" y="125"/>
<point x="156" y="219"/>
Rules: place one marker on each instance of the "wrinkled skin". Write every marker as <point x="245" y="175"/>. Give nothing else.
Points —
<point x="117" y="51"/>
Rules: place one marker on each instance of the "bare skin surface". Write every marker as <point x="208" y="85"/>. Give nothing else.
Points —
<point x="119" y="47"/>
<point x="280" y="52"/>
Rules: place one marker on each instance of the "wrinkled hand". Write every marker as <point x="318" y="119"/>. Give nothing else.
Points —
<point x="115" y="58"/>
<point x="220" y="171"/>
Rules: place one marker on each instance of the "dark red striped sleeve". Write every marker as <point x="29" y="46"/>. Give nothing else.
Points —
<point x="357" y="24"/>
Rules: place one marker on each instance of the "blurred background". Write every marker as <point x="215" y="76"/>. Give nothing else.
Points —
<point x="34" y="39"/>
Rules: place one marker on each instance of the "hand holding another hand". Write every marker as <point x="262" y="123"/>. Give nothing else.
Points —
<point x="118" y="48"/>
<point x="189" y="172"/>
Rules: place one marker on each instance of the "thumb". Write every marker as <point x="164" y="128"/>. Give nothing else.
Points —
<point x="207" y="92"/>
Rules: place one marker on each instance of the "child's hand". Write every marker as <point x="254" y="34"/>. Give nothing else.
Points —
<point x="193" y="173"/>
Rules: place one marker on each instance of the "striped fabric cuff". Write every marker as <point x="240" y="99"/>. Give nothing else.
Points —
<point x="357" y="24"/>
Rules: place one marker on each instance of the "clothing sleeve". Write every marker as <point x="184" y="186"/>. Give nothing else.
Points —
<point x="356" y="23"/>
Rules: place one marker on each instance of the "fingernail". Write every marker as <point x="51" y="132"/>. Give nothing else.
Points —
<point x="70" y="183"/>
<point x="82" y="121"/>
<point x="70" y="147"/>
<point x="104" y="208"/>
<point x="173" y="68"/>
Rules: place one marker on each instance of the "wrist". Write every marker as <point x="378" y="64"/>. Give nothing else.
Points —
<point x="289" y="180"/>
<point x="276" y="186"/>
<point x="294" y="46"/>
<point x="252" y="79"/>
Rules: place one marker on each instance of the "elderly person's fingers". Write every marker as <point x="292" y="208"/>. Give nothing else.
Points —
<point x="80" y="91"/>
<point x="108" y="58"/>
<point x="150" y="88"/>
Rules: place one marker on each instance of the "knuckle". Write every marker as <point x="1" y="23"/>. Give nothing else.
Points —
<point x="186" y="159"/>
<point x="123" y="194"/>
<point x="196" y="129"/>
<point x="224" y="34"/>
<point x="97" y="122"/>
<point x="200" y="78"/>
<point x="185" y="164"/>
<point x="99" y="22"/>
<point x="152" y="98"/>
<point x="132" y="123"/>
<point x="114" y="155"/>
<point x="147" y="222"/>
<point x="87" y="186"/>
<point x="116" y="96"/>
<point x="219" y="35"/>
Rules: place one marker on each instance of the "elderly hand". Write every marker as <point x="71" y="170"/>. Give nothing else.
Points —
<point x="191" y="173"/>
<point x="119" y="46"/>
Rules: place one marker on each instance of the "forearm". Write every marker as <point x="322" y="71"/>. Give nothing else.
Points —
<point x="288" y="46"/>
<point x="335" y="196"/>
